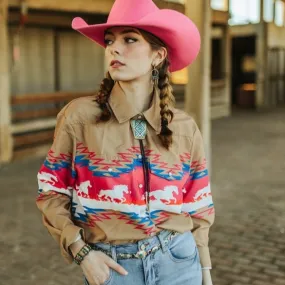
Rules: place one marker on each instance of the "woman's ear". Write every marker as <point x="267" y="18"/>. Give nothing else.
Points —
<point x="160" y="56"/>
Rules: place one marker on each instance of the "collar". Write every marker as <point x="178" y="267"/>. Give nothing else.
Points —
<point x="124" y="110"/>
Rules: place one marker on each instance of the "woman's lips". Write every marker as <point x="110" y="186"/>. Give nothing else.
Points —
<point x="116" y="64"/>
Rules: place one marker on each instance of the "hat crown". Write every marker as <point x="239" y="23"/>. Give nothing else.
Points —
<point x="130" y="10"/>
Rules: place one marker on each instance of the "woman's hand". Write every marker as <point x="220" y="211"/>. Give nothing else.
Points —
<point x="207" y="279"/>
<point x="96" y="265"/>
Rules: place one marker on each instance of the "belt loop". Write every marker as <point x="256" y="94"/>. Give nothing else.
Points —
<point x="114" y="253"/>
<point x="162" y="242"/>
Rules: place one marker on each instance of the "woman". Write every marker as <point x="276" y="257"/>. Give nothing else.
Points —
<point x="124" y="188"/>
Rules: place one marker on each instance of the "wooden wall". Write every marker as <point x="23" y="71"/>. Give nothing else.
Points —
<point x="53" y="60"/>
<point x="276" y="65"/>
<point x="34" y="71"/>
<point x="276" y="36"/>
<point x="81" y="62"/>
<point x="53" y="66"/>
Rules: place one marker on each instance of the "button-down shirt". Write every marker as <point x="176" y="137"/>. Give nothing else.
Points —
<point x="92" y="181"/>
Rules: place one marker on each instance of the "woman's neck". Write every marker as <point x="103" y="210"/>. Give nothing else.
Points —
<point x="138" y="92"/>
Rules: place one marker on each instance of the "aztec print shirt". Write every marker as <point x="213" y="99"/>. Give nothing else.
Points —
<point x="93" y="184"/>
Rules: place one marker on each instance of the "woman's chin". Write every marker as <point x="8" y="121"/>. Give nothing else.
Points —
<point x="121" y="77"/>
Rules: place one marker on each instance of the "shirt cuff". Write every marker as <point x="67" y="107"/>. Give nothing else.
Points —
<point x="205" y="258"/>
<point x="206" y="268"/>
<point x="69" y="235"/>
<point x="78" y="238"/>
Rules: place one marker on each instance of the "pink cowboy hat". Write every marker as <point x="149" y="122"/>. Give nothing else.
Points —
<point x="177" y="31"/>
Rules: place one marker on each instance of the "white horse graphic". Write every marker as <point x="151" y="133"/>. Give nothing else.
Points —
<point x="203" y="193"/>
<point x="117" y="193"/>
<point x="83" y="187"/>
<point x="46" y="182"/>
<point x="45" y="177"/>
<point x="165" y="194"/>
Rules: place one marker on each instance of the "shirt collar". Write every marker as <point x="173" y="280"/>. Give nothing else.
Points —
<point x="124" y="109"/>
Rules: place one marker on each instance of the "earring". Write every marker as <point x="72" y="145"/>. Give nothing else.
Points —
<point x="155" y="75"/>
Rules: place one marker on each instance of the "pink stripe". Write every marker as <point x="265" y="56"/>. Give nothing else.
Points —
<point x="197" y="184"/>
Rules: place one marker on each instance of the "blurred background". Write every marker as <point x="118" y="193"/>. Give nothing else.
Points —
<point x="235" y="90"/>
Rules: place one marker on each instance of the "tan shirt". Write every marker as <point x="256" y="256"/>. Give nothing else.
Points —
<point x="92" y="181"/>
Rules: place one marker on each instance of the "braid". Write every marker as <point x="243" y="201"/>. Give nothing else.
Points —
<point x="102" y="97"/>
<point x="166" y="99"/>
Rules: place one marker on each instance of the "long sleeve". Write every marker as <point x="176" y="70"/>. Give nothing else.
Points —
<point x="56" y="182"/>
<point x="198" y="192"/>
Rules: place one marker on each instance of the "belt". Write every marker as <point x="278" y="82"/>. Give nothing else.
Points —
<point x="142" y="253"/>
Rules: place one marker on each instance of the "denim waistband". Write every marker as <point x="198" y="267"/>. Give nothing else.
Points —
<point x="132" y="248"/>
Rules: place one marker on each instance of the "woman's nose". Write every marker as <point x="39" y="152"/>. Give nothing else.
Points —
<point x="115" y="48"/>
<point x="114" y="51"/>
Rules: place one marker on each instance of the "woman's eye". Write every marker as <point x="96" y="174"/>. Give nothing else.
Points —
<point x="130" y="40"/>
<point x="108" y="42"/>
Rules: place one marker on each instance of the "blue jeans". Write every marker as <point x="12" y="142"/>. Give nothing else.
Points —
<point x="176" y="263"/>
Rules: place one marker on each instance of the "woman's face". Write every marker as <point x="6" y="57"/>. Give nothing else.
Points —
<point x="128" y="55"/>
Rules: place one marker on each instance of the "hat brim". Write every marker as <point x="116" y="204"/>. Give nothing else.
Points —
<point x="177" y="31"/>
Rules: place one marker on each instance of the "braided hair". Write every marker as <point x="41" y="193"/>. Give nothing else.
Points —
<point x="102" y="97"/>
<point x="166" y="100"/>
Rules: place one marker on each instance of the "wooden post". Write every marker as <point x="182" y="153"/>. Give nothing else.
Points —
<point x="229" y="61"/>
<point x="274" y="11"/>
<point x="261" y="56"/>
<point x="228" y="64"/>
<point x="5" y="116"/>
<point x="198" y="88"/>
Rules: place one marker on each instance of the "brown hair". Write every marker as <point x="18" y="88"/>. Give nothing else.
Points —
<point x="163" y="88"/>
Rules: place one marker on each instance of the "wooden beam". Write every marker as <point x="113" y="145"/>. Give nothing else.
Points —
<point x="51" y="19"/>
<point x="243" y="30"/>
<point x="48" y="97"/>
<point x="31" y="126"/>
<point x="6" y="148"/>
<point x="218" y="84"/>
<point x="217" y="33"/>
<point x="33" y="139"/>
<point x="87" y="6"/>
<point x="198" y="89"/>
<point x="220" y="17"/>
<point x="33" y="114"/>
<point x="162" y="4"/>
<point x="44" y="20"/>
<point x="39" y="151"/>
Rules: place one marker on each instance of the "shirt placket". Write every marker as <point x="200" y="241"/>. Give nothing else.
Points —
<point x="139" y="127"/>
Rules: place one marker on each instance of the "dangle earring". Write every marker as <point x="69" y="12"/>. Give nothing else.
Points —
<point x="155" y="75"/>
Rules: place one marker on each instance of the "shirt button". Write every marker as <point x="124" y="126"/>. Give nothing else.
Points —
<point x="140" y="185"/>
<point x="170" y="173"/>
<point x="152" y="234"/>
<point x="140" y="156"/>
<point x="110" y="169"/>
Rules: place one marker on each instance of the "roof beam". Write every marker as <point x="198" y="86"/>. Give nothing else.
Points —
<point x="87" y="6"/>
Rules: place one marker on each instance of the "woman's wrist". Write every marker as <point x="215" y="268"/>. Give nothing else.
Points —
<point x="76" y="247"/>
<point x="207" y="280"/>
<point x="79" y="257"/>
